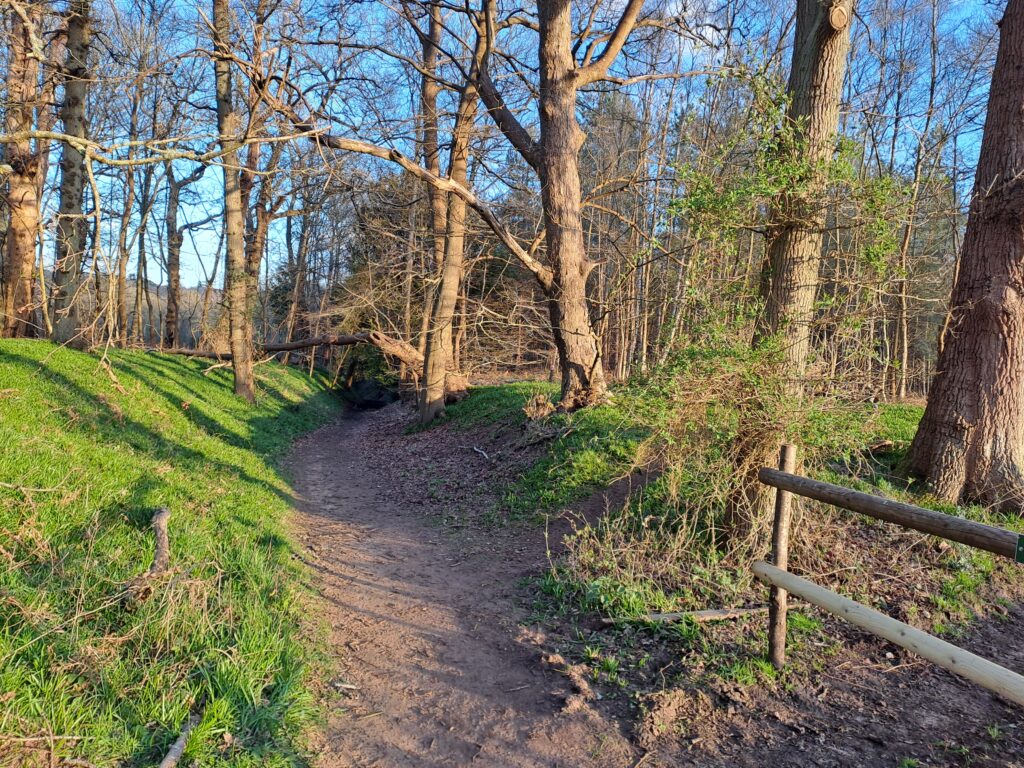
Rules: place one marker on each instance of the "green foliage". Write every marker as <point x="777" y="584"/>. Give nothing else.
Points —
<point x="662" y="550"/>
<point x="222" y="631"/>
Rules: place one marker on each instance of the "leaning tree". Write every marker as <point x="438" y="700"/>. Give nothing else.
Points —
<point x="970" y="444"/>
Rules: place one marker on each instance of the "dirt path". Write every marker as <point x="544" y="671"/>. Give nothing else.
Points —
<point x="427" y="626"/>
<point x="427" y="606"/>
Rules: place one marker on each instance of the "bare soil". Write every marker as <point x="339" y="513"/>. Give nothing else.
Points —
<point x="446" y="657"/>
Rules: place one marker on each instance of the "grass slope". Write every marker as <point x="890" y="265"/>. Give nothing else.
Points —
<point x="87" y="457"/>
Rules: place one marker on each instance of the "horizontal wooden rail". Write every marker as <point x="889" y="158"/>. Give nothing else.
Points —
<point x="998" y="540"/>
<point x="985" y="673"/>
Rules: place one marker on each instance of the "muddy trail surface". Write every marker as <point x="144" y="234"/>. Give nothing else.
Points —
<point x="445" y="661"/>
<point x="435" y="669"/>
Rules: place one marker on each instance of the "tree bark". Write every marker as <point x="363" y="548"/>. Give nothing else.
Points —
<point x="579" y="352"/>
<point x="970" y="444"/>
<point x="22" y="190"/>
<point x="67" y="272"/>
<point x="820" y="50"/>
<point x="440" y="379"/>
<point x="229" y="127"/>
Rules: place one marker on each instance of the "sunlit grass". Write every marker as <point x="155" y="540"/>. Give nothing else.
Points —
<point x="88" y="455"/>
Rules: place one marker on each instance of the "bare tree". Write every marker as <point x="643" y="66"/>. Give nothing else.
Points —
<point x="229" y="126"/>
<point x="23" y="157"/>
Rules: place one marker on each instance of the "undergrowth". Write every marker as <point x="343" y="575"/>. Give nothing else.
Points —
<point x="89" y="454"/>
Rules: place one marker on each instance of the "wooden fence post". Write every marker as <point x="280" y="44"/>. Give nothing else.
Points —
<point x="777" y="602"/>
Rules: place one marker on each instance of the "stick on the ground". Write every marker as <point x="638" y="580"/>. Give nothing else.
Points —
<point x="703" y="616"/>
<point x="780" y="556"/>
<point x="178" y="747"/>
<point x="162" y="553"/>
<point x="139" y="589"/>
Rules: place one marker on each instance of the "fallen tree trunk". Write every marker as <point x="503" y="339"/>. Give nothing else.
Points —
<point x="392" y="348"/>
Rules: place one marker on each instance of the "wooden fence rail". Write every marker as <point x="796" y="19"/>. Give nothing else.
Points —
<point x="978" y="535"/>
<point x="997" y="540"/>
<point x="948" y="656"/>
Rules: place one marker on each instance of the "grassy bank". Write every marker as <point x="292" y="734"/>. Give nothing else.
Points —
<point x="88" y="455"/>
<point x="667" y="548"/>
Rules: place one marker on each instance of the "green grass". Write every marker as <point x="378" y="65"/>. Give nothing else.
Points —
<point x="498" y="404"/>
<point x="86" y="460"/>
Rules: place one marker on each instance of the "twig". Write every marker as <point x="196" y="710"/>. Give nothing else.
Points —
<point x="24" y="489"/>
<point x="113" y="376"/>
<point x="482" y="452"/>
<point x="215" y="366"/>
<point x="139" y="588"/>
<point x="178" y="747"/>
<point x="701" y="617"/>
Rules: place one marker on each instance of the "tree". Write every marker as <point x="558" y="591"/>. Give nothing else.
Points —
<point x="22" y="156"/>
<point x="175" y="239"/>
<point x="229" y="126"/>
<point x="67" y="272"/>
<point x="555" y="158"/>
<point x="970" y="444"/>
<point x="820" y="48"/>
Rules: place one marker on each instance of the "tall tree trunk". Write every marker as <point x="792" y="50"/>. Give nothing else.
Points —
<point x="22" y="190"/>
<point x="299" y="280"/>
<point x="439" y="377"/>
<point x="67" y="272"/>
<point x="820" y="50"/>
<point x="579" y="353"/>
<point x="970" y="444"/>
<point x="175" y="238"/>
<point x="229" y="126"/>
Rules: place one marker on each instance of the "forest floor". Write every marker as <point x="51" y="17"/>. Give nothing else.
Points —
<point x="447" y="654"/>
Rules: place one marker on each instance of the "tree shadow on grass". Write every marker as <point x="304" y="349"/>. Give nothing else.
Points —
<point x="114" y="428"/>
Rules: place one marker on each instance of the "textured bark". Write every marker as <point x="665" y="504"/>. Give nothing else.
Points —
<point x="71" y="225"/>
<point x="790" y="282"/>
<point x="22" y="189"/>
<point x="579" y="352"/>
<point x="970" y="444"/>
<point x="820" y="51"/>
<point x="229" y="127"/>
<point x="440" y="376"/>
<point x="431" y="151"/>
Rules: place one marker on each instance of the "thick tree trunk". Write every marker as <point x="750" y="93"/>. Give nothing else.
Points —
<point x="970" y="444"/>
<point x="237" y="289"/>
<point x="67" y="273"/>
<point x="579" y="352"/>
<point x="820" y="50"/>
<point x="22" y="190"/>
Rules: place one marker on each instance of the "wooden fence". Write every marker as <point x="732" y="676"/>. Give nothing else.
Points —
<point x="1002" y="542"/>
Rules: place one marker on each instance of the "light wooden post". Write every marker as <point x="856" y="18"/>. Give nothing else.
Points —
<point x="995" y="678"/>
<point x="777" y="602"/>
